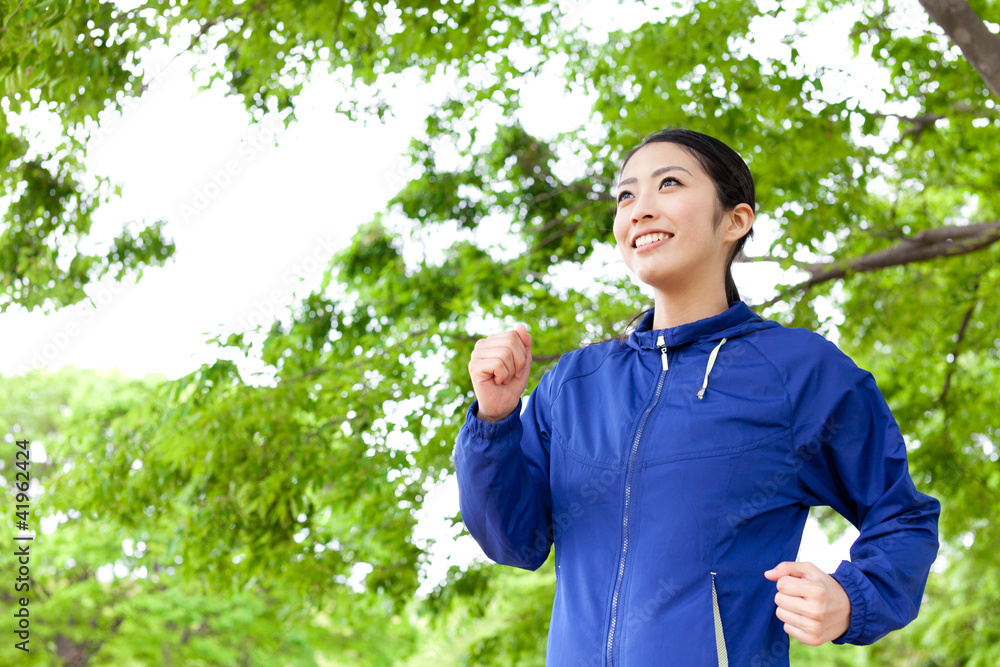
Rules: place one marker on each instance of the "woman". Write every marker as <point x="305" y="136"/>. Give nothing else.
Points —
<point x="674" y="470"/>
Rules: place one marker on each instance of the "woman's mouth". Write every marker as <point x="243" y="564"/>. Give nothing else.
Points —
<point x="649" y="241"/>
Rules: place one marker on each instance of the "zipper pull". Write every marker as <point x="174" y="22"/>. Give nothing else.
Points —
<point x="662" y="344"/>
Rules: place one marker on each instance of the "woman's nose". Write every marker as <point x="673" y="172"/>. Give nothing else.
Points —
<point x="643" y="208"/>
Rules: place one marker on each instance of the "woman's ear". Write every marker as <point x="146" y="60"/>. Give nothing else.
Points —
<point x="739" y="222"/>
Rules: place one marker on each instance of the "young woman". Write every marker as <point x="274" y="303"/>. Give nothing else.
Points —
<point x="674" y="470"/>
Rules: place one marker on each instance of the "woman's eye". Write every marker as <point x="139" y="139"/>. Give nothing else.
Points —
<point x="668" y="180"/>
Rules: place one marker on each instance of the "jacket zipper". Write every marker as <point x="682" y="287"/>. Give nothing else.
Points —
<point x="661" y="344"/>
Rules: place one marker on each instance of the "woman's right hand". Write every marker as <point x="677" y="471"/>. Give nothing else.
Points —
<point x="499" y="370"/>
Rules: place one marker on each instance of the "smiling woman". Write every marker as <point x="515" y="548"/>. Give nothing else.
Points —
<point x="686" y="555"/>
<point x="689" y="167"/>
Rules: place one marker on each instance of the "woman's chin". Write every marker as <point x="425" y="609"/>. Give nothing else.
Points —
<point x="658" y="280"/>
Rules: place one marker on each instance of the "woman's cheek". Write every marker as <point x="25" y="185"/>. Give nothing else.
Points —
<point x="618" y="236"/>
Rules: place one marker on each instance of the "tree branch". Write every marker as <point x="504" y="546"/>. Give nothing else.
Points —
<point x="921" y="122"/>
<point x="779" y="260"/>
<point x="958" y="341"/>
<point x="575" y="185"/>
<point x="964" y="27"/>
<point x="206" y="26"/>
<point x="928" y="244"/>
<point x="555" y="222"/>
<point x="337" y="22"/>
<point x="559" y="233"/>
<point x="6" y="21"/>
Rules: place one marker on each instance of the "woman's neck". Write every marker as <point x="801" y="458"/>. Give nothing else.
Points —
<point x="675" y="309"/>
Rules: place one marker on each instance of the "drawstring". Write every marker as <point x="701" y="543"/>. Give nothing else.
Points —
<point x="711" y="362"/>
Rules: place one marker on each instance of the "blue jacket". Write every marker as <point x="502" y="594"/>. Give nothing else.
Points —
<point x="672" y="469"/>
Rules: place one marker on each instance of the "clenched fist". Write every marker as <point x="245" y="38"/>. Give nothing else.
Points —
<point x="812" y="604"/>
<point x="499" y="370"/>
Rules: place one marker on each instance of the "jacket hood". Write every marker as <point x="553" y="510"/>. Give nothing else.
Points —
<point x="737" y="320"/>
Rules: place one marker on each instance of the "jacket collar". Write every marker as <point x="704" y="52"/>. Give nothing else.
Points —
<point x="734" y="321"/>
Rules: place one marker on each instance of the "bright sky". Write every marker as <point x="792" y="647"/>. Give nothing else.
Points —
<point x="256" y="224"/>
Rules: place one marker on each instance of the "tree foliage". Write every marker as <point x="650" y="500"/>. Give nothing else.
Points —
<point x="305" y="486"/>
<point x="106" y="592"/>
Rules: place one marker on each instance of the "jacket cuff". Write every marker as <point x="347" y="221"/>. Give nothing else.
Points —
<point x="849" y="577"/>
<point x="491" y="430"/>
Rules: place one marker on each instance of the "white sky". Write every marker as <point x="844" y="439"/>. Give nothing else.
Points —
<point x="256" y="224"/>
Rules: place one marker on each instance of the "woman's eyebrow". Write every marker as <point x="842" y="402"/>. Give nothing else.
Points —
<point x="661" y="170"/>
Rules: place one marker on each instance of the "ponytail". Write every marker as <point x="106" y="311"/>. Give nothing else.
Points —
<point x="732" y="294"/>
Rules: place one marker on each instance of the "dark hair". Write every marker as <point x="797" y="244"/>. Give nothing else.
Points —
<point x="731" y="175"/>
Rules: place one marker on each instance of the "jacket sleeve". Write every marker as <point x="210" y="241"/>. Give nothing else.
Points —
<point x="852" y="457"/>
<point x="503" y="482"/>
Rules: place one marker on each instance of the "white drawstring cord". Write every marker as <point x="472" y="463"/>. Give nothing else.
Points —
<point x="711" y="362"/>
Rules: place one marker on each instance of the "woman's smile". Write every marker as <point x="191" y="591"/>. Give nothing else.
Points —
<point x="645" y="241"/>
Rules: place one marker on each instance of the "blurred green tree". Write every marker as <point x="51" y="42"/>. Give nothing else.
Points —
<point x="105" y="593"/>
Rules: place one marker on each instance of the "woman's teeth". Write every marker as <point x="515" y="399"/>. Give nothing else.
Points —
<point x="646" y="239"/>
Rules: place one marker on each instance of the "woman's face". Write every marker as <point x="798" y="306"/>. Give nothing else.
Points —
<point x="665" y="221"/>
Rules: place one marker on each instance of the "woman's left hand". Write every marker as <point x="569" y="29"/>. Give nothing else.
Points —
<point x="812" y="604"/>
